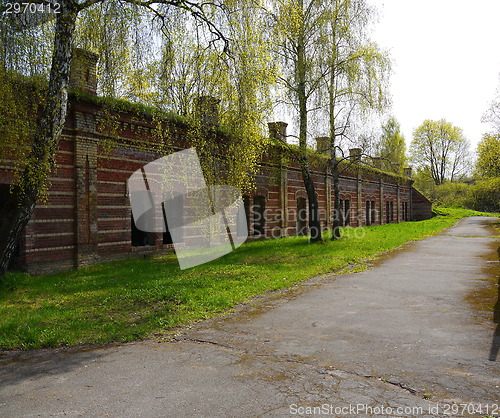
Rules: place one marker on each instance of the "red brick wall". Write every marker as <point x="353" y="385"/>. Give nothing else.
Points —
<point x="421" y="207"/>
<point x="87" y="216"/>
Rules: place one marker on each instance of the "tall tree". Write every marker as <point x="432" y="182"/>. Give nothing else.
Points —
<point x="392" y="147"/>
<point x="488" y="156"/>
<point x="241" y="80"/>
<point x="119" y="33"/>
<point x="441" y="149"/>
<point x="17" y="211"/>
<point x="357" y="71"/>
<point x="298" y="25"/>
<point x="248" y="97"/>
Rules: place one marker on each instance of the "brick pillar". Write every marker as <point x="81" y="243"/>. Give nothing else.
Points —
<point x="86" y="201"/>
<point x="323" y="144"/>
<point x="83" y="75"/>
<point x="277" y="130"/>
<point x="355" y="154"/>
<point x="207" y="110"/>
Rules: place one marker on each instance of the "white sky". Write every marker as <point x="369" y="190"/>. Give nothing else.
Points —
<point x="446" y="60"/>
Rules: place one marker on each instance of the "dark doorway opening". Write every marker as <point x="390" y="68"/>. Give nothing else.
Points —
<point x="347" y="213"/>
<point x="175" y="218"/>
<point x="370" y="212"/>
<point x="4" y="196"/>
<point x="259" y="208"/>
<point x="301" y="216"/>
<point x="246" y="207"/>
<point x="140" y="238"/>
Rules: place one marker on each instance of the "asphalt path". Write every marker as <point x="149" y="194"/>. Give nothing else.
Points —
<point x="411" y="336"/>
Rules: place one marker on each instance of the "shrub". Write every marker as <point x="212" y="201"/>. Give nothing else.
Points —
<point x="484" y="195"/>
<point x="449" y="194"/>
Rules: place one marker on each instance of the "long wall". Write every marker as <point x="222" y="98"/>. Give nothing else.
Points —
<point x="86" y="217"/>
<point x="368" y="197"/>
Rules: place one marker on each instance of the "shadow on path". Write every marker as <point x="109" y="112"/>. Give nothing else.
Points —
<point x="19" y="366"/>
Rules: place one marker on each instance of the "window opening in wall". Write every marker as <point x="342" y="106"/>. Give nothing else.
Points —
<point x="176" y="219"/>
<point x="246" y="206"/>
<point x="4" y="196"/>
<point x="404" y="210"/>
<point x="340" y="213"/>
<point x="140" y="238"/>
<point x="301" y="216"/>
<point x="347" y="212"/>
<point x="167" y="238"/>
<point x="259" y="207"/>
<point x="370" y="212"/>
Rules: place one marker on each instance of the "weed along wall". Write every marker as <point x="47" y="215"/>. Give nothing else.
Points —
<point x="86" y="217"/>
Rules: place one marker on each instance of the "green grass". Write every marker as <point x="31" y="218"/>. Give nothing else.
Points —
<point x="459" y="212"/>
<point x="138" y="299"/>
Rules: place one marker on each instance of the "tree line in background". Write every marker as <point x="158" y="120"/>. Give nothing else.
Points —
<point x="445" y="168"/>
<point x="313" y="59"/>
<point x="449" y="174"/>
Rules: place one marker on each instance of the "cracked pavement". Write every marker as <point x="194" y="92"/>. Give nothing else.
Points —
<point x="401" y="334"/>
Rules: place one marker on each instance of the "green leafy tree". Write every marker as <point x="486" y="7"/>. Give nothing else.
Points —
<point x="392" y="147"/>
<point x="297" y="29"/>
<point x="183" y="63"/>
<point x="241" y="80"/>
<point x="334" y="68"/>
<point x="248" y="96"/>
<point x="356" y="71"/>
<point x="40" y="158"/>
<point x="120" y="34"/>
<point x="488" y="156"/>
<point x="440" y="149"/>
<point x="422" y="180"/>
<point x="485" y="195"/>
<point x="449" y="194"/>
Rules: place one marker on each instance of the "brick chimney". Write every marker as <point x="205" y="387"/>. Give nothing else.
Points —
<point x="322" y="144"/>
<point x="277" y="130"/>
<point x="407" y="171"/>
<point x="207" y="109"/>
<point x="396" y="167"/>
<point x="377" y="162"/>
<point x="355" y="154"/>
<point x="83" y="74"/>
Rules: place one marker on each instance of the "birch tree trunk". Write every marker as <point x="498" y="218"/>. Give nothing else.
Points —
<point x="17" y="211"/>
<point x="334" y="165"/>
<point x="312" y="197"/>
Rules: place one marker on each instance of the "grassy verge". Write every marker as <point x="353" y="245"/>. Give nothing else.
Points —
<point x="137" y="299"/>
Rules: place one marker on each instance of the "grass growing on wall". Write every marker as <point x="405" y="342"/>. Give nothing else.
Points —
<point x="137" y="299"/>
